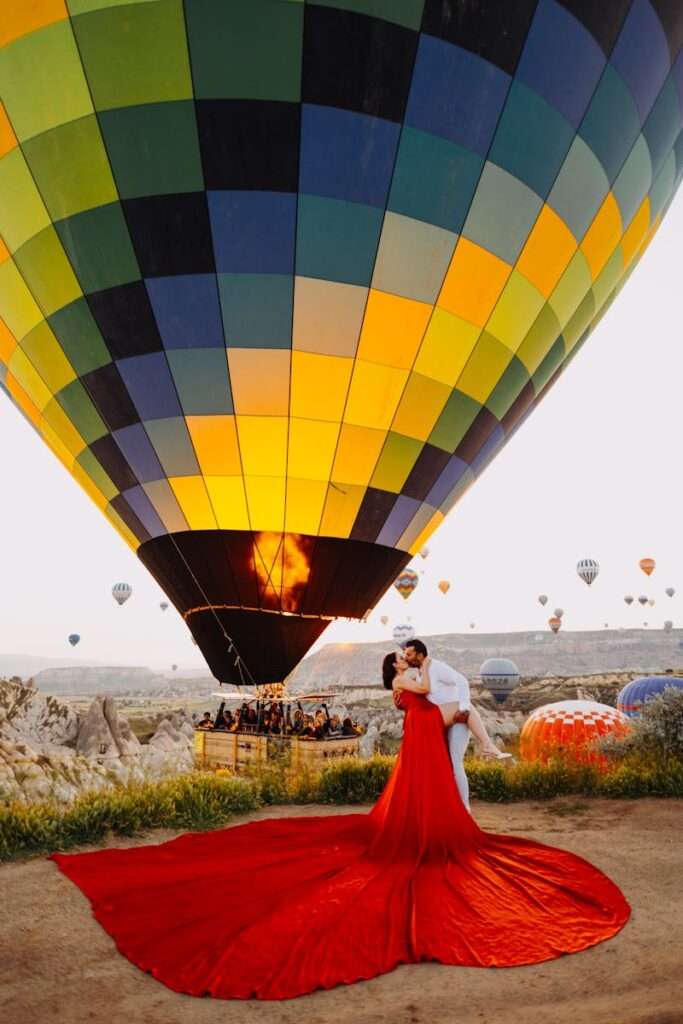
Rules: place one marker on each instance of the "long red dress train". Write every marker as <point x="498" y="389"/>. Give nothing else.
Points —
<point x="277" y="908"/>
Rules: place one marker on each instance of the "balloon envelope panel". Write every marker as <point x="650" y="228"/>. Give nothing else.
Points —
<point x="635" y="694"/>
<point x="570" y="729"/>
<point x="297" y="271"/>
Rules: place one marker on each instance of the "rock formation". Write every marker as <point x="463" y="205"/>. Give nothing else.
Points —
<point x="46" y="752"/>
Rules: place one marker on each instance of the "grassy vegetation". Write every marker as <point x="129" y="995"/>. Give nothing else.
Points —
<point x="201" y="801"/>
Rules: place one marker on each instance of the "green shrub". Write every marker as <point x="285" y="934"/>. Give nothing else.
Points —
<point x="202" y="801"/>
<point x="354" y="782"/>
<point x="190" y="802"/>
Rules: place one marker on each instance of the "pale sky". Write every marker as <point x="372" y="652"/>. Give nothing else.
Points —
<point x="593" y="473"/>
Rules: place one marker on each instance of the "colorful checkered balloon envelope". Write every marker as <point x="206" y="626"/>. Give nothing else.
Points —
<point x="570" y="729"/>
<point x="278" y="279"/>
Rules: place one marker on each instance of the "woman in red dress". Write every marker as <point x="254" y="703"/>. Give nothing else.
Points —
<point x="321" y="901"/>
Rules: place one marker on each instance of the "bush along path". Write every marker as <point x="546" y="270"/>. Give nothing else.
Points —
<point x="201" y="801"/>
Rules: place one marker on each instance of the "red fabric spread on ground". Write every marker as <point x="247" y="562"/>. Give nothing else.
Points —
<point x="277" y="908"/>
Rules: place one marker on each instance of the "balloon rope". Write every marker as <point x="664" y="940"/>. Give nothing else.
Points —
<point x="240" y="665"/>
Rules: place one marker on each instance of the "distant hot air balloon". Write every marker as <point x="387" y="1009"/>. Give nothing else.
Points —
<point x="424" y="552"/>
<point x="174" y="667"/>
<point x="163" y="605"/>
<point x="570" y="729"/>
<point x="670" y="591"/>
<point x="628" y="599"/>
<point x="121" y="592"/>
<point x="634" y="695"/>
<point x="587" y="569"/>
<point x="647" y="565"/>
<point x="500" y="676"/>
<point x="645" y="624"/>
<point x="651" y="602"/>
<point x="384" y="619"/>
<point x="236" y="303"/>
<point x="473" y="625"/>
<point x="559" y="612"/>
<point x="668" y="625"/>
<point x="444" y="586"/>
<point x="406" y="582"/>
<point x="607" y="625"/>
<point x="555" y="622"/>
<point x="543" y="600"/>
<point x="642" y="600"/>
<point x="74" y="638"/>
<point x="403" y="633"/>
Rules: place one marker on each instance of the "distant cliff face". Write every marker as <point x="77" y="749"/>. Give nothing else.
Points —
<point x="535" y="654"/>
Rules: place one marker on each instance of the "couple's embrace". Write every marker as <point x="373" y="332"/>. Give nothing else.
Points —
<point x="414" y="671"/>
<point x="329" y="898"/>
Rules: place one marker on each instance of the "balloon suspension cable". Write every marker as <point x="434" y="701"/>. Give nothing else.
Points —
<point x="240" y="664"/>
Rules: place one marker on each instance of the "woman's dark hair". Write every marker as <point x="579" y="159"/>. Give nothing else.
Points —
<point x="388" y="670"/>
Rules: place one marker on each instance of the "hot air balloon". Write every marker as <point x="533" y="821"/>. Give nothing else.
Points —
<point x="384" y="619"/>
<point x="651" y="602"/>
<point x="668" y="625"/>
<point x="642" y="600"/>
<point x="628" y="599"/>
<point x="670" y="591"/>
<point x="74" y="639"/>
<point x="587" y="569"/>
<point x="543" y="599"/>
<point x="444" y="586"/>
<point x="645" y="624"/>
<point x="173" y="668"/>
<point x="647" y="565"/>
<point x="559" y="612"/>
<point x="164" y="606"/>
<point x="403" y="633"/>
<point x="500" y="676"/>
<point x="276" y="313"/>
<point x="631" y="697"/>
<point x="607" y="625"/>
<point x="424" y="552"/>
<point x="570" y="729"/>
<point x="121" y="592"/>
<point x="406" y="582"/>
<point x="555" y="622"/>
<point x="473" y="625"/>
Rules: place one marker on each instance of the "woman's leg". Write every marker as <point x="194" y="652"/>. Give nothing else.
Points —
<point x="478" y="730"/>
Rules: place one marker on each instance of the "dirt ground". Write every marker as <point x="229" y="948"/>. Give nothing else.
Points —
<point x="57" y="966"/>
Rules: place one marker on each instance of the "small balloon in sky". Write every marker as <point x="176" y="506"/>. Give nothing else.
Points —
<point x="406" y="582"/>
<point x="558" y="613"/>
<point x="384" y="619"/>
<point x="121" y="592"/>
<point x="74" y="638"/>
<point x="543" y="599"/>
<point x="587" y="569"/>
<point x="647" y="565"/>
<point x="444" y="586"/>
<point x="163" y="605"/>
<point x="642" y="600"/>
<point x="670" y="591"/>
<point x="555" y="622"/>
<point x="628" y="599"/>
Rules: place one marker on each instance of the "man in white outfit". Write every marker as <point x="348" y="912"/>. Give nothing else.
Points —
<point x="446" y="687"/>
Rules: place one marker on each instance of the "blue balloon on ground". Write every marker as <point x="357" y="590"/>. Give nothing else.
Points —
<point x="631" y="697"/>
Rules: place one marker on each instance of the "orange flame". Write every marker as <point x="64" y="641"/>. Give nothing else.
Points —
<point x="282" y="568"/>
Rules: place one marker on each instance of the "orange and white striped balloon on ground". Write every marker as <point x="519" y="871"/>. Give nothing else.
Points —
<point x="569" y="729"/>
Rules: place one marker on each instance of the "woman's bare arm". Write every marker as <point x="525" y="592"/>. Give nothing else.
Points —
<point x="406" y="683"/>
